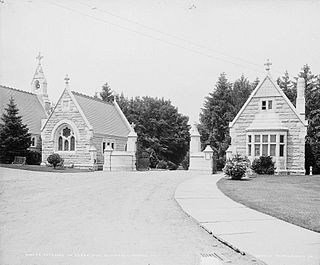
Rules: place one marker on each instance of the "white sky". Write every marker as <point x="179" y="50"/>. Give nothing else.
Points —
<point x="98" y="41"/>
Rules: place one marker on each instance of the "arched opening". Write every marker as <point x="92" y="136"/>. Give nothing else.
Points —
<point x="66" y="138"/>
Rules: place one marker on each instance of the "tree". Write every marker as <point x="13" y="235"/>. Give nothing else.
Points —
<point x="241" y="91"/>
<point x="288" y="87"/>
<point x="162" y="131"/>
<point x="106" y="94"/>
<point x="14" y="135"/>
<point x="215" y="116"/>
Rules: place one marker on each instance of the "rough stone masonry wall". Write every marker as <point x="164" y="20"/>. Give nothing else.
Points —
<point x="296" y="132"/>
<point x="296" y="136"/>
<point x="81" y="155"/>
<point x="120" y="143"/>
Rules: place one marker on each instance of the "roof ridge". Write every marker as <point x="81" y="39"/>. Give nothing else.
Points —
<point x="91" y="97"/>
<point x="15" y="89"/>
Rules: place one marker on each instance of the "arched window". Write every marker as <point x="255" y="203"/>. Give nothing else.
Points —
<point x="66" y="139"/>
<point x="66" y="145"/>
<point x="72" y="143"/>
<point x="60" y="143"/>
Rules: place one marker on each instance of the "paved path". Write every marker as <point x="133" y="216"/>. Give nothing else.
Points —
<point x="100" y="218"/>
<point x="271" y="240"/>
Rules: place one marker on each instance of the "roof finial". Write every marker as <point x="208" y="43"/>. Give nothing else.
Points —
<point x="39" y="57"/>
<point x="66" y="79"/>
<point x="267" y="65"/>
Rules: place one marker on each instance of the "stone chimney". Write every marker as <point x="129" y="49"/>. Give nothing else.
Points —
<point x="301" y="101"/>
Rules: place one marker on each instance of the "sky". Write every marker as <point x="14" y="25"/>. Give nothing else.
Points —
<point x="174" y="49"/>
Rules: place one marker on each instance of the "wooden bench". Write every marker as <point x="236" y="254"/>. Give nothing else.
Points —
<point x="19" y="160"/>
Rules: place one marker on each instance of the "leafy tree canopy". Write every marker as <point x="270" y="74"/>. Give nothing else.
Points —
<point x="161" y="129"/>
<point x="14" y="136"/>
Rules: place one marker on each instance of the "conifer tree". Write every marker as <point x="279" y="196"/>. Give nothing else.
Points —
<point x="106" y="94"/>
<point x="288" y="87"/>
<point x="14" y="136"/>
<point x="215" y="116"/>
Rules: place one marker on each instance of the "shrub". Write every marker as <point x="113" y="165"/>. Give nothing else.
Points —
<point x="162" y="164"/>
<point x="221" y="162"/>
<point x="33" y="157"/>
<point x="263" y="165"/>
<point x="54" y="159"/>
<point x="172" y="166"/>
<point x="186" y="162"/>
<point x="236" y="167"/>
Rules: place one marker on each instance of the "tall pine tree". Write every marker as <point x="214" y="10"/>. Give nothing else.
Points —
<point x="215" y="116"/>
<point x="14" y="135"/>
<point x="106" y="94"/>
<point x="288" y="87"/>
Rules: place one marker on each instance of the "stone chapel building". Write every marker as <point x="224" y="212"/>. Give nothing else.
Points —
<point x="268" y="124"/>
<point x="79" y="128"/>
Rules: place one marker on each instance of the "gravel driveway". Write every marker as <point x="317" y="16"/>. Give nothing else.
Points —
<point x="100" y="218"/>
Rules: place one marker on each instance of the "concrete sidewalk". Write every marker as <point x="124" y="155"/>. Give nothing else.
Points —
<point x="269" y="239"/>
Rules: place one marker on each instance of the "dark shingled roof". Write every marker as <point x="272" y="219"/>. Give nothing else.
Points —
<point x="103" y="116"/>
<point x="28" y="104"/>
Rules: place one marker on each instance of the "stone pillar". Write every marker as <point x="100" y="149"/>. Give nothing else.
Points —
<point x="195" y="144"/>
<point x="107" y="158"/>
<point x="93" y="157"/>
<point x="132" y="142"/>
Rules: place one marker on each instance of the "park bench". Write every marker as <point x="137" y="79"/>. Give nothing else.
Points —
<point x="19" y="160"/>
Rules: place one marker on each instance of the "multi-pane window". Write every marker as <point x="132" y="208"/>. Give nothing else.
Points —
<point x="66" y="140"/>
<point x="266" y="104"/>
<point x="266" y="145"/>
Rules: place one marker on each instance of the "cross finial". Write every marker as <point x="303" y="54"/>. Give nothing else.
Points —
<point x="267" y="65"/>
<point x="39" y="57"/>
<point x="66" y="79"/>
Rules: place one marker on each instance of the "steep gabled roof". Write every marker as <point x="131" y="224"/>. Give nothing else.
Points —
<point x="104" y="117"/>
<point x="28" y="104"/>
<point x="254" y="92"/>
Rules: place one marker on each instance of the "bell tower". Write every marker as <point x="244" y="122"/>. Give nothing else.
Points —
<point x="39" y="85"/>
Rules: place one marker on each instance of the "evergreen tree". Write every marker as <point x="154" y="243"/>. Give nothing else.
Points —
<point x="255" y="83"/>
<point x="215" y="116"/>
<point x="288" y="88"/>
<point x="241" y="91"/>
<point x="106" y="94"/>
<point x="14" y="136"/>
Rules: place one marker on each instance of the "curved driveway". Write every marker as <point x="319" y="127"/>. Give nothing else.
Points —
<point x="100" y="218"/>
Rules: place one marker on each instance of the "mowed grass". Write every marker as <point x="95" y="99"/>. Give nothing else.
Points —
<point x="44" y="168"/>
<point x="295" y="199"/>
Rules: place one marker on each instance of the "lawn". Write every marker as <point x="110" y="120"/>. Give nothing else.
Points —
<point x="295" y="199"/>
<point x="44" y="168"/>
